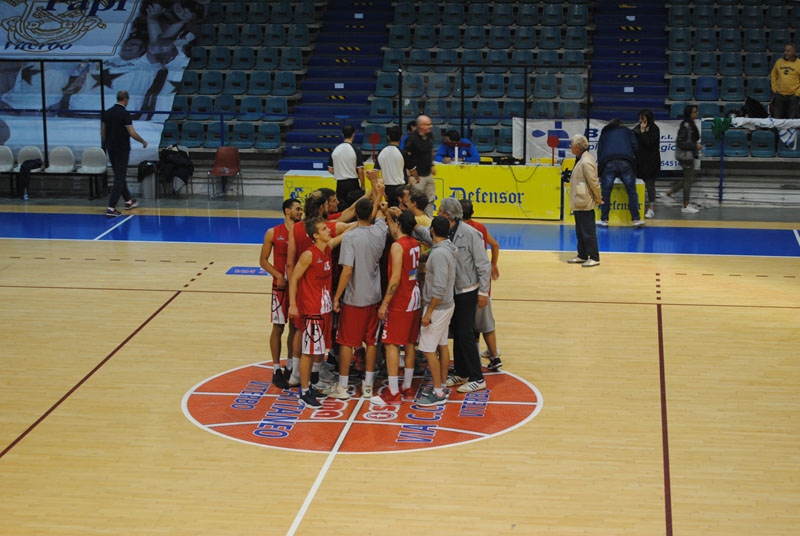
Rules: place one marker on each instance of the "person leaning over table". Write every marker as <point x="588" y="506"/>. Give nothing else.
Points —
<point x="447" y="154"/>
<point x="584" y="196"/>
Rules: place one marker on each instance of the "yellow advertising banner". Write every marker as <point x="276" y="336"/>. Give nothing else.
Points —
<point x="619" y="212"/>
<point x="515" y="192"/>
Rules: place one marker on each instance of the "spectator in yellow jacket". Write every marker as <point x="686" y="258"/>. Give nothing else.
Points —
<point x="785" y="78"/>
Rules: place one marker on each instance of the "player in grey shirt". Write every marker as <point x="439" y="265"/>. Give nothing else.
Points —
<point x="360" y="283"/>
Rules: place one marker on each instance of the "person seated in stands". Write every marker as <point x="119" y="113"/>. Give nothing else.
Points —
<point x="465" y="154"/>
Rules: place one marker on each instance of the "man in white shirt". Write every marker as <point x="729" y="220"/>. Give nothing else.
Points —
<point x="393" y="163"/>
<point x="346" y="164"/>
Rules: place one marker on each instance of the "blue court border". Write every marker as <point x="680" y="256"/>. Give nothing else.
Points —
<point x="517" y="236"/>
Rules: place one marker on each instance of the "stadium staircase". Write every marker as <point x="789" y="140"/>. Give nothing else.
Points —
<point x="340" y="79"/>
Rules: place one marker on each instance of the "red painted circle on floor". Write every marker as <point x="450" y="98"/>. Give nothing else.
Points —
<point x="242" y="404"/>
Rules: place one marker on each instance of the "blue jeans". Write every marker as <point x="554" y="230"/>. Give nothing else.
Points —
<point x="623" y="170"/>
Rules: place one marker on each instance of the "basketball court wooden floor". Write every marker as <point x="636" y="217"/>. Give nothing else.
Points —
<point x="656" y="394"/>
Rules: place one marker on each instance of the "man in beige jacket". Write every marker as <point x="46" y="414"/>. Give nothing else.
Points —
<point x="584" y="196"/>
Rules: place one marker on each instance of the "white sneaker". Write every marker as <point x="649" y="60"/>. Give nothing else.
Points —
<point x="649" y="214"/>
<point x="471" y="387"/>
<point x="455" y="380"/>
<point x="326" y="375"/>
<point x="689" y="209"/>
<point x="590" y="263"/>
<point x="337" y="391"/>
<point x="639" y="223"/>
<point x="602" y="223"/>
<point x="294" y="381"/>
<point x="576" y="260"/>
<point x="486" y="354"/>
<point x="667" y="199"/>
<point x="366" y="390"/>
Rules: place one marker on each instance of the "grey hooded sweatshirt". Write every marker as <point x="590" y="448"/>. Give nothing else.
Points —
<point x="440" y="274"/>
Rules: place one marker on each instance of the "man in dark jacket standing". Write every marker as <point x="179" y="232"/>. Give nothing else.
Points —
<point x="117" y="131"/>
<point x="616" y="157"/>
<point x="648" y="159"/>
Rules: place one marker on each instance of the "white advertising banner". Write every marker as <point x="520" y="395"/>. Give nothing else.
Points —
<point x="559" y="132"/>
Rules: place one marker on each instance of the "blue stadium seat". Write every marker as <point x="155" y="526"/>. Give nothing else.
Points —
<point x="258" y="12"/>
<point x="503" y="15"/>
<point x="788" y="152"/>
<point x="281" y="13"/>
<point x="483" y="139"/>
<point x="680" y="39"/>
<point x="730" y="40"/>
<point x="754" y="40"/>
<point x="298" y="36"/>
<point x="405" y="13"/>
<point x="730" y="64"/>
<point x="546" y="60"/>
<point x="473" y="60"/>
<point x="243" y="136"/>
<point x="492" y="87"/>
<point x="449" y="36"/>
<point x="543" y="110"/>
<point x="778" y="38"/>
<point x="399" y="36"/>
<point x="478" y="14"/>
<point x="381" y="110"/>
<point x="731" y="106"/>
<point x="244" y="58"/>
<point x="215" y="13"/>
<point x="707" y="109"/>
<point x="392" y="59"/>
<point x="251" y="35"/>
<point x="728" y="16"/>
<point x="235" y="83"/>
<point x="711" y="146"/>
<point x="410" y="108"/>
<point x="413" y="86"/>
<point x="499" y="37"/>
<point x="192" y="135"/>
<point x="552" y="15"/>
<point x="251" y="109"/>
<point x="439" y="85"/>
<point x="520" y="58"/>
<point x="496" y="61"/>
<point x="569" y="110"/>
<point x="524" y="38"/>
<point x="573" y="61"/>
<point x="706" y="88"/>
<point x="757" y="64"/>
<point x="180" y="106"/>
<point x="228" y="34"/>
<point x="189" y="83"/>
<point x="419" y="56"/>
<point x="705" y="39"/>
<point x="511" y="109"/>
<point x="267" y="59"/>
<point x="470" y="86"/>
<point x="762" y="144"/>
<point x="446" y="60"/>
<point x="550" y="37"/>
<point x="487" y="112"/>
<point x="474" y="37"/>
<point x="505" y="140"/>
<point x="198" y="58"/>
<point x="680" y="88"/>
<point x="575" y="38"/>
<point x="453" y="14"/>
<point x="759" y="89"/>
<point x="169" y="136"/>
<point x="305" y="13"/>
<point x="794" y="17"/>
<point x="704" y="16"/>
<point x="516" y="86"/>
<point x="207" y="36"/>
<point x="735" y="143"/>
<point x="455" y="112"/>
<point x="572" y="87"/>
<point x="386" y="85"/>
<point x="752" y="17"/>
<point x="424" y="36"/>
<point x="275" y="35"/>
<point x="679" y="16"/>
<point x="219" y="58"/>
<point x="577" y="15"/>
<point x="268" y="136"/>
<point x="369" y="131"/>
<point x="545" y="87"/>
<point x="436" y="109"/>
<point x="214" y="135"/>
<point x="676" y="110"/>
<point x="680" y="62"/>
<point x="527" y="15"/>
<point x="226" y="105"/>
<point x="211" y="83"/>
<point x="276" y="109"/>
<point x="260" y="83"/>
<point x="284" y="84"/>
<point x="291" y="59"/>
<point x="705" y="63"/>
<point x="732" y="89"/>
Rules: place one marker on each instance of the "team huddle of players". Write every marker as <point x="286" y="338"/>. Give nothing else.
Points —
<point x="375" y="273"/>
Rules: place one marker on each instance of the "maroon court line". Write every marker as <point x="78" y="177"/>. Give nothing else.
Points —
<point x="664" y="432"/>
<point x="95" y="369"/>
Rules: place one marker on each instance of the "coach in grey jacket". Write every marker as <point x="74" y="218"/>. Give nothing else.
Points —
<point x="473" y="275"/>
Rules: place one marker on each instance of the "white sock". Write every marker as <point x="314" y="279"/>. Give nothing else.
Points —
<point x="408" y="375"/>
<point x="295" y="367"/>
<point x="393" y="380"/>
<point x="315" y="367"/>
<point x="276" y="367"/>
<point x="443" y="386"/>
<point x="439" y="391"/>
<point x="370" y="377"/>
<point x="344" y="380"/>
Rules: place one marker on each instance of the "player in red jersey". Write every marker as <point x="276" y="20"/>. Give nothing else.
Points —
<point x="484" y="318"/>
<point x="400" y="310"/>
<point x="276" y="242"/>
<point x="310" y="300"/>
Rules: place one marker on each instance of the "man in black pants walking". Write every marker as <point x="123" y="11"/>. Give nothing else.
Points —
<point x="117" y="131"/>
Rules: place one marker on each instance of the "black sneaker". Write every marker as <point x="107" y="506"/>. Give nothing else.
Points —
<point x="315" y="393"/>
<point x="132" y="203"/>
<point x="308" y="399"/>
<point x="279" y="380"/>
<point x="113" y="213"/>
<point x="494" y="363"/>
<point x="315" y="377"/>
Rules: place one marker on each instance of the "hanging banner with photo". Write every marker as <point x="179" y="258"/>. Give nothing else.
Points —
<point x="51" y="47"/>
<point x="560" y="131"/>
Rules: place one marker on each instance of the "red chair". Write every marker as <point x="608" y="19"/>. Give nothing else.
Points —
<point x="226" y="166"/>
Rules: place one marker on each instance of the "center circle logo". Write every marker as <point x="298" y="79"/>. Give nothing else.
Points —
<point x="243" y="405"/>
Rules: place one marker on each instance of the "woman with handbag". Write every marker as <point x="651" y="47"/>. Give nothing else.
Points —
<point x="584" y="196"/>
<point x="687" y="149"/>
<point x="648" y="157"/>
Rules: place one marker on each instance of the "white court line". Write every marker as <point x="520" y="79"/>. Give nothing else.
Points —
<point x="117" y="225"/>
<point x="324" y="470"/>
<point x="796" y="236"/>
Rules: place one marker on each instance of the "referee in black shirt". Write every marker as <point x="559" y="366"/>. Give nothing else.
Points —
<point x="346" y="164"/>
<point x="419" y="147"/>
<point x="116" y="132"/>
